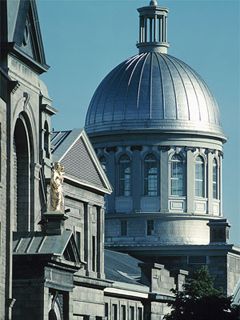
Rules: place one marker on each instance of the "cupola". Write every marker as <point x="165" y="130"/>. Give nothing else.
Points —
<point x="153" y="28"/>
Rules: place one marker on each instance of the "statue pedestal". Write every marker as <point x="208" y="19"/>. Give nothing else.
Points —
<point x="54" y="222"/>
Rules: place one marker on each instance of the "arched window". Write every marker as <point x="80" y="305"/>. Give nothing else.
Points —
<point x="199" y="177"/>
<point x="103" y="162"/>
<point x="46" y="140"/>
<point x="215" y="179"/>
<point x="150" y="175"/>
<point x="23" y="179"/>
<point x="124" y="176"/>
<point x="177" y="176"/>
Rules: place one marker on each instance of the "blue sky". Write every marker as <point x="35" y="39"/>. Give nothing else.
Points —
<point x="84" y="40"/>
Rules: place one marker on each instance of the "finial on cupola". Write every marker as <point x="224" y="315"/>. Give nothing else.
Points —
<point x="153" y="3"/>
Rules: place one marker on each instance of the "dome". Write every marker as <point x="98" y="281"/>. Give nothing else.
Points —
<point x="154" y="91"/>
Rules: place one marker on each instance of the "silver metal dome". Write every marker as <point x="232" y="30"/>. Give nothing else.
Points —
<point x="153" y="91"/>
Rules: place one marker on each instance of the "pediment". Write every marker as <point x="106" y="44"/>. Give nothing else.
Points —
<point x="36" y="244"/>
<point x="27" y="39"/>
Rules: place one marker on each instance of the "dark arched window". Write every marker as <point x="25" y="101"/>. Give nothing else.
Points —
<point x="22" y="155"/>
<point x="199" y="177"/>
<point x="124" y="176"/>
<point x="177" y="176"/>
<point x="46" y="140"/>
<point x="215" y="179"/>
<point x="150" y="175"/>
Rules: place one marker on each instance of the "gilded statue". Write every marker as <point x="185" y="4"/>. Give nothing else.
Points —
<point x="56" y="185"/>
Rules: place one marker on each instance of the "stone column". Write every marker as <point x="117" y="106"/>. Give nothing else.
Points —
<point x="35" y="207"/>
<point x="190" y="183"/>
<point x="111" y="173"/>
<point x="220" y="184"/>
<point x="137" y="179"/>
<point x="100" y="242"/>
<point x="164" y="179"/>
<point x="209" y="184"/>
<point x="87" y="236"/>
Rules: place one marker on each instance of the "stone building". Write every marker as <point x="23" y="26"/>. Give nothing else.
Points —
<point x="156" y="129"/>
<point x="52" y="261"/>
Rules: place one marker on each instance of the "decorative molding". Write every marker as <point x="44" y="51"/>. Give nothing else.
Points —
<point x="26" y="100"/>
<point x="164" y="148"/>
<point x="136" y="148"/>
<point x="111" y="149"/>
<point x="193" y="149"/>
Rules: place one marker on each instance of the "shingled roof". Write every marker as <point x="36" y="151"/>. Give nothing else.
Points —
<point x="74" y="150"/>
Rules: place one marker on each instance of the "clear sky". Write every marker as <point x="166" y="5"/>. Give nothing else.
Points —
<point x="84" y="40"/>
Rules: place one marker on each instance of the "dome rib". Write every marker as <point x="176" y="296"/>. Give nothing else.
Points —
<point x="194" y="89"/>
<point x="163" y="96"/>
<point x="173" y="85"/>
<point x="154" y="91"/>
<point x="199" y="81"/>
<point x="183" y="85"/>
<point x="110" y="91"/>
<point x="141" y="56"/>
<point x="150" y="86"/>
<point x="139" y="83"/>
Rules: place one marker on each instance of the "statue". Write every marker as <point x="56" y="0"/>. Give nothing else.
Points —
<point x="56" y="185"/>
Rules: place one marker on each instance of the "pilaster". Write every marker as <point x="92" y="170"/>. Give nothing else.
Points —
<point x="190" y="180"/>
<point x="111" y="173"/>
<point x="136" y="177"/>
<point x="164" y="180"/>
<point x="209" y="191"/>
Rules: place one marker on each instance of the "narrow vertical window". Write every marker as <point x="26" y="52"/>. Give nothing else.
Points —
<point x="93" y="253"/>
<point x="177" y="176"/>
<point x="140" y="314"/>
<point x="132" y="313"/>
<point x="150" y="227"/>
<point x="123" y="227"/>
<point x="215" y="179"/>
<point x="199" y="177"/>
<point x="106" y="311"/>
<point x="124" y="176"/>
<point x="150" y="175"/>
<point x="114" y="309"/>
<point x="78" y="241"/>
<point x="46" y="140"/>
<point x="123" y="312"/>
<point x="103" y="162"/>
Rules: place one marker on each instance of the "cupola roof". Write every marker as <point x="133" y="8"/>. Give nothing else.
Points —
<point x="153" y="90"/>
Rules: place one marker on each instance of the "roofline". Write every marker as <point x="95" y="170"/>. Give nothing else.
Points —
<point x="112" y="132"/>
<point x="71" y="145"/>
<point x="25" y="58"/>
<point x="92" y="154"/>
<point x="86" y="184"/>
<point x="176" y="250"/>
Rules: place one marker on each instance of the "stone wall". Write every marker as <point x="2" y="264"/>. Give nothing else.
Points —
<point x="233" y="273"/>
<point x="116" y="307"/>
<point x="86" y="220"/>
<point x="29" y="295"/>
<point x="4" y="232"/>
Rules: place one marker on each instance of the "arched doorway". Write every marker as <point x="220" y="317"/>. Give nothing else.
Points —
<point x="22" y="175"/>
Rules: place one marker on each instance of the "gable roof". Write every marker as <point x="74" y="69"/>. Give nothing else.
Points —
<point x="74" y="150"/>
<point x="24" y="34"/>
<point x="40" y="244"/>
